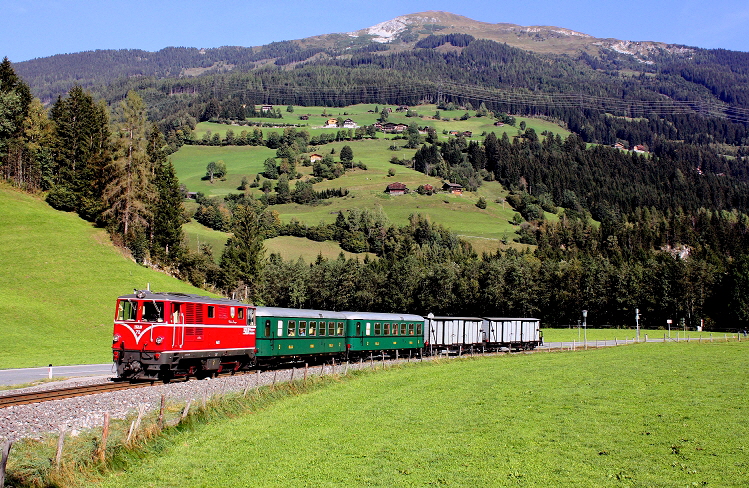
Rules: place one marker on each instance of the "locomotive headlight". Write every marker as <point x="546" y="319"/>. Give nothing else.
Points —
<point x="116" y="338"/>
<point x="159" y="340"/>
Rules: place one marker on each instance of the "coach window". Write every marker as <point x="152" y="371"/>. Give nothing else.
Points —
<point x="403" y="328"/>
<point x="280" y="328"/>
<point x="127" y="310"/>
<point x="395" y="329"/>
<point x="411" y="329"/>
<point x="302" y="328"/>
<point x="358" y="328"/>
<point x="153" y="311"/>
<point x="321" y="330"/>
<point x="313" y="328"/>
<point x="267" y="328"/>
<point x="378" y="329"/>
<point x="331" y="328"/>
<point x="291" y="331"/>
<point x="418" y="328"/>
<point x="339" y="330"/>
<point x="386" y="329"/>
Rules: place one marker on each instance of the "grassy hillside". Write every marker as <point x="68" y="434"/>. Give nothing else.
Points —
<point x="60" y="278"/>
<point x="612" y="417"/>
<point x="289" y="247"/>
<point x="483" y="228"/>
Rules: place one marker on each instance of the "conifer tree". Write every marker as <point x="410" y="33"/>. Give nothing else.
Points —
<point x="129" y="190"/>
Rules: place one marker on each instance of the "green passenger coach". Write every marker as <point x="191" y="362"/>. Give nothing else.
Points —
<point x="288" y="332"/>
<point x="368" y="333"/>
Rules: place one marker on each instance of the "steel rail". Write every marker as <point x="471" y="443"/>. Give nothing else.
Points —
<point x="62" y="393"/>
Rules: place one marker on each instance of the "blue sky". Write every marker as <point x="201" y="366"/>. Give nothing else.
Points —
<point x="39" y="28"/>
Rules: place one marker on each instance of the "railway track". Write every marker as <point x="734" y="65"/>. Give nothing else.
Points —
<point x="61" y="393"/>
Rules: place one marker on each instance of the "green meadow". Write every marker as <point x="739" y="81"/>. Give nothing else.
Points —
<point x="59" y="282"/>
<point x="639" y="415"/>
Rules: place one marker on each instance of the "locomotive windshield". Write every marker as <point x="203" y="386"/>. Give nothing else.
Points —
<point x="127" y="310"/>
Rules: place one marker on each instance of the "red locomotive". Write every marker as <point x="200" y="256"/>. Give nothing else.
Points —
<point x="167" y="335"/>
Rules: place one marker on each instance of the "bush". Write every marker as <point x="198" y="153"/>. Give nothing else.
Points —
<point x="62" y="198"/>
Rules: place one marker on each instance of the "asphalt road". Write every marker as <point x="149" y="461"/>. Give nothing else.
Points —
<point x="27" y="375"/>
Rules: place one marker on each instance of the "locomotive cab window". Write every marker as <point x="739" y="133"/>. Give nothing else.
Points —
<point x="153" y="311"/>
<point x="211" y="311"/>
<point x="127" y="310"/>
<point x="240" y="313"/>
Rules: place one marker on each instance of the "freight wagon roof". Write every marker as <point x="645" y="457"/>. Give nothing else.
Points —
<point x="300" y="313"/>
<point x="498" y="319"/>
<point x="382" y="316"/>
<point x="181" y="297"/>
<point x="475" y="319"/>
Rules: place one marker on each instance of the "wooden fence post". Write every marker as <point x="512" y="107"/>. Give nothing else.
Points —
<point x="104" y="435"/>
<point x="305" y="373"/>
<point x="160" y="422"/>
<point x="60" y="443"/>
<point x="186" y="410"/>
<point x="4" y="461"/>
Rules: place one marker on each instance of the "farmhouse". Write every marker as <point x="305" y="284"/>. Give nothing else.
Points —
<point x="315" y="157"/>
<point x="266" y="108"/>
<point x="332" y="123"/>
<point x="396" y="189"/>
<point x="453" y="188"/>
<point x="349" y="124"/>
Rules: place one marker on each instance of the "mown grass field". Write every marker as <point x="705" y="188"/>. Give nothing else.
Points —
<point x="59" y="281"/>
<point x="573" y="334"/>
<point x="642" y="415"/>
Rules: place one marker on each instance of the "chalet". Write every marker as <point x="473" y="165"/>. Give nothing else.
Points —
<point x="332" y="123"/>
<point x="454" y="132"/>
<point x="349" y="124"/>
<point x="467" y="133"/>
<point x="396" y="189"/>
<point x="619" y="145"/>
<point x="640" y="149"/>
<point x="429" y="189"/>
<point x="315" y="157"/>
<point x="453" y="188"/>
<point x="266" y="108"/>
<point x="391" y="127"/>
